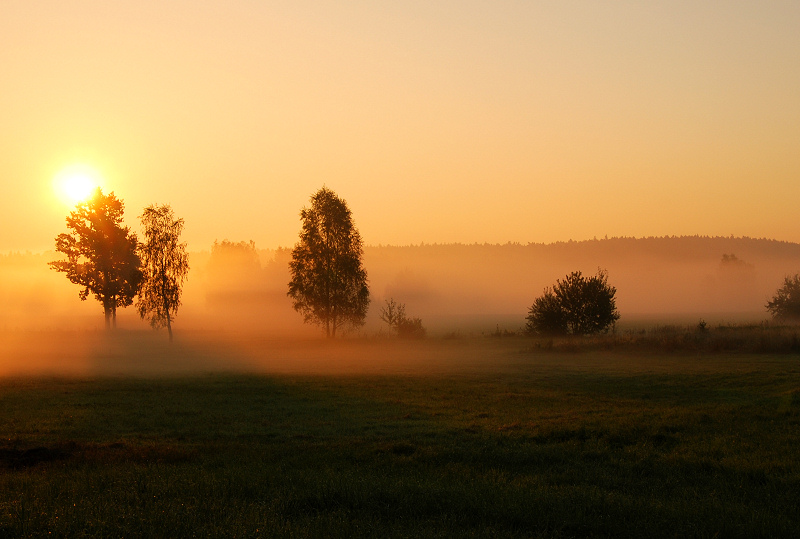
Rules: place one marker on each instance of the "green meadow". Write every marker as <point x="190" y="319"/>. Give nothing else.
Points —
<point x="472" y="437"/>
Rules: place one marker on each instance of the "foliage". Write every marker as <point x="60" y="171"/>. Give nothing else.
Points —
<point x="329" y="284"/>
<point x="101" y="254"/>
<point x="733" y="261"/>
<point x="394" y="314"/>
<point x="785" y="303"/>
<point x="546" y="316"/>
<point x="165" y="265"/>
<point x="577" y="305"/>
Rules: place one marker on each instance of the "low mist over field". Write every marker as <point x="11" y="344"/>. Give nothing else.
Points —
<point x="144" y="354"/>
<point x="325" y="269"/>
<point x="453" y="288"/>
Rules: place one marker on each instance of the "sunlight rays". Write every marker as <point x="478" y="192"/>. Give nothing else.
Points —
<point x="75" y="183"/>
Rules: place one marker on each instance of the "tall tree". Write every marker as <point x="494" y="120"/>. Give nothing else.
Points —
<point x="101" y="254"/>
<point x="165" y="265"/>
<point x="329" y="283"/>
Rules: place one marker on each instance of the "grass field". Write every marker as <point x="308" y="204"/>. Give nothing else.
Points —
<point x="125" y="436"/>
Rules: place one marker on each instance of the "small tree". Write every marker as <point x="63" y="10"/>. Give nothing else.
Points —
<point x="394" y="314"/>
<point x="101" y="254"/>
<point x="577" y="305"/>
<point x="785" y="304"/>
<point x="165" y="265"/>
<point x="329" y="284"/>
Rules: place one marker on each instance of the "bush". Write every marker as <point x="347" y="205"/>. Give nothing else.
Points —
<point x="410" y="328"/>
<point x="785" y="304"/>
<point x="394" y="314"/>
<point x="577" y="305"/>
<point x="546" y="315"/>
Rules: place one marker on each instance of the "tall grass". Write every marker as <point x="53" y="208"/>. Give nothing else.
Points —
<point x="764" y="338"/>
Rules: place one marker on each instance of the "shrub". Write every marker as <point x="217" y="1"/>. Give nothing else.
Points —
<point x="394" y="314"/>
<point x="785" y="303"/>
<point x="577" y="305"/>
<point x="410" y="328"/>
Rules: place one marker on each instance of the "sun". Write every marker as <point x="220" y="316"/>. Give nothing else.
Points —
<point x="76" y="183"/>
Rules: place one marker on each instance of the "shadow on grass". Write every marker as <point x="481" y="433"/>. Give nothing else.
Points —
<point x="518" y="449"/>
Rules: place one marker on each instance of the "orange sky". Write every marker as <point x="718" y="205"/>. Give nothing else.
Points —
<point x="444" y="121"/>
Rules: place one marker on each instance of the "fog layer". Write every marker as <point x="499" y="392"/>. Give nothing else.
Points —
<point x="468" y="288"/>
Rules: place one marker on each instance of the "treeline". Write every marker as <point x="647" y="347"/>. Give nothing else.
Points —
<point x="247" y="286"/>
<point x="441" y="281"/>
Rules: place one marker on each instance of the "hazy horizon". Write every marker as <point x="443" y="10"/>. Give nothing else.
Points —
<point x="271" y="248"/>
<point x="453" y="288"/>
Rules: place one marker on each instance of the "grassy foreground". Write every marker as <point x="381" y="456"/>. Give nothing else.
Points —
<point x="520" y="443"/>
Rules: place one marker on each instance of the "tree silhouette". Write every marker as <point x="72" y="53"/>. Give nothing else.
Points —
<point x="101" y="254"/>
<point x="394" y="314"/>
<point x="578" y="305"/>
<point x="546" y="316"/>
<point x="785" y="303"/>
<point x="165" y="265"/>
<point x="329" y="284"/>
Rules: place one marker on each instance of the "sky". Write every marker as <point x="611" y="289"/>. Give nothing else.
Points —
<point x="437" y="121"/>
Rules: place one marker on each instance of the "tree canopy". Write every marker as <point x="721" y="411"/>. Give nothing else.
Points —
<point x="785" y="304"/>
<point x="101" y="254"/>
<point x="329" y="284"/>
<point x="165" y="265"/>
<point x="577" y="305"/>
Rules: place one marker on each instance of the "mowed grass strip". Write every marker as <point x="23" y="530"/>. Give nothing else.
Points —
<point x="572" y="445"/>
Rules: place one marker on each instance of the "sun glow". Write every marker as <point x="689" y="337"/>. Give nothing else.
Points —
<point x="76" y="183"/>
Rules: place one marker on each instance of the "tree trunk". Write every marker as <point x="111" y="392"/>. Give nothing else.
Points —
<point x="107" y="314"/>
<point x="165" y="304"/>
